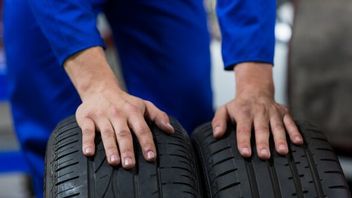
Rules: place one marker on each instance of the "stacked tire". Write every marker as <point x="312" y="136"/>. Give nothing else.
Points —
<point x="201" y="168"/>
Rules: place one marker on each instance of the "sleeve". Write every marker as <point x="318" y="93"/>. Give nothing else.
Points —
<point x="69" y="25"/>
<point x="247" y="29"/>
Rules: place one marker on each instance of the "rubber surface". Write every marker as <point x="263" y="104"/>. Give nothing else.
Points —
<point x="70" y="174"/>
<point x="311" y="170"/>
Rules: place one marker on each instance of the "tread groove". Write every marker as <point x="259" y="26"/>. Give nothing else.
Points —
<point x="64" y="145"/>
<point x="224" y="173"/>
<point x="295" y="176"/>
<point x="66" y="137"/>
<point x="273" y="178"/>
<point x="251" y="178"/>
<point x="226" y="187"/>
<point x="66" y="180"/>
<point x="222" y="161"/>
<point x="314" y="172"/>
<point x="65" y="155"/>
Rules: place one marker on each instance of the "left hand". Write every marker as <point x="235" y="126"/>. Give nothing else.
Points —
<point x="254" y="105"/>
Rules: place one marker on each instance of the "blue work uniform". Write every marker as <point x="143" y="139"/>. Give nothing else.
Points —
<point x="163" y="48"/>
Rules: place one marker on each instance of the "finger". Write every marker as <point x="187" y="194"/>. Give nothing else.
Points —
<point x="279" y="134"/>
<point x="125" y="142"/>
<point x="159" y="117"/>
<point x="144" y="136"/>
<point x="88" y="135"/>
<point x="243" y="135"/>
<point x="292" y="129"/>
<point x="109" y="141"/>
<point x="261" y="127"/>
<point x="219" y="122"/>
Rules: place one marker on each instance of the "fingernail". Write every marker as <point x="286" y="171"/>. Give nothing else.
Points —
<point x="127" y="161"/>
<point x="150" y="155"/>
<point x="217" y="131"/>
<point x="282" y="147"/>
<point x="298" y="139"/>
<point x="114" y="159"/>
<point x="245" y="151"/>
<point x="265" y="152"/>
<point x="88" y="151"/>
<point x="170" y="127"/>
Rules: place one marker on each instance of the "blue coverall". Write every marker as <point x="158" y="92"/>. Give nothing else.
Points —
<point x="163" y="48"/>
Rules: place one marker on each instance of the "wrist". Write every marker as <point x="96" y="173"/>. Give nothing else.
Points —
<point x="254" y="79"/>
<point x="90" y="72"/>
<point x="101" y="86"/>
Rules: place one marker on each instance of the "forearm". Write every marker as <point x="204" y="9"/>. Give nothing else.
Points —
<point x="90" y="72"/>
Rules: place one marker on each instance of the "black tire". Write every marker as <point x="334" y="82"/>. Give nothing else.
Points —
<point x="311" y="170"/>
<point x="70" y="174"/>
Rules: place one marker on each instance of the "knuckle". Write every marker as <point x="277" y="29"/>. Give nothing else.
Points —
<point x="261" y="109"/>
<point x="163" y="115"/>
<point x="107" y="129"/>
<point x="295" y="132"/>
<point x="139" y="104"/>
<point x="127" y="152"/>
<point x="82" y="112"/>
<point x="115" y="112"/>
<point x="147" y="102"/>
<point x="87" y="143"/>
<point x="111" y="149"/>
<point x="243" y="143"/>
<point x="99" y="113"/>
<point x="277" y="127"/>
<point x="132" y="108"/>
<point x="290" y="125"/>
<point x="160" y="115"/>
<point x="244" y="130"/>
<point x="281" y="142"/>
<point x="142" y="130"/>
<point x="87" y="132"/>
<point x="148" y="146"/>
<point x="123" y="133"/>
<point x="262" y="145"/>
<point x="275" y="106"/>
<point x="107" y="133"/>
<point x="259" y="105"/>
<point x="89" y="114"/>
<point x="245" y="111"/>
<point x="262" y="130"/>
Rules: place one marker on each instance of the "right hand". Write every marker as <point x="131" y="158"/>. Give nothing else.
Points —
<point x="111" y="111"/>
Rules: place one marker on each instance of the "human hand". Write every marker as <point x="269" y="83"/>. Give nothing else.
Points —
<point x="254" y="105"/>
<point x="111" y="111"/>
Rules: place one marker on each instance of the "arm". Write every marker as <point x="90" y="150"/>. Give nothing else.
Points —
<point x="247" y="29"/>
<point x="70" y="28"/>
<point x="248" y="49"/>
<point x="115" y="113"/>
<point x="68" y="25"/>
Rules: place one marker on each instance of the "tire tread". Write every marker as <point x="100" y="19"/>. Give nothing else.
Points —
<point x="311" y="170"/>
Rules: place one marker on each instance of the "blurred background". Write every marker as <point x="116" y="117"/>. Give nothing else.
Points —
<point x="312" y="74"/>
